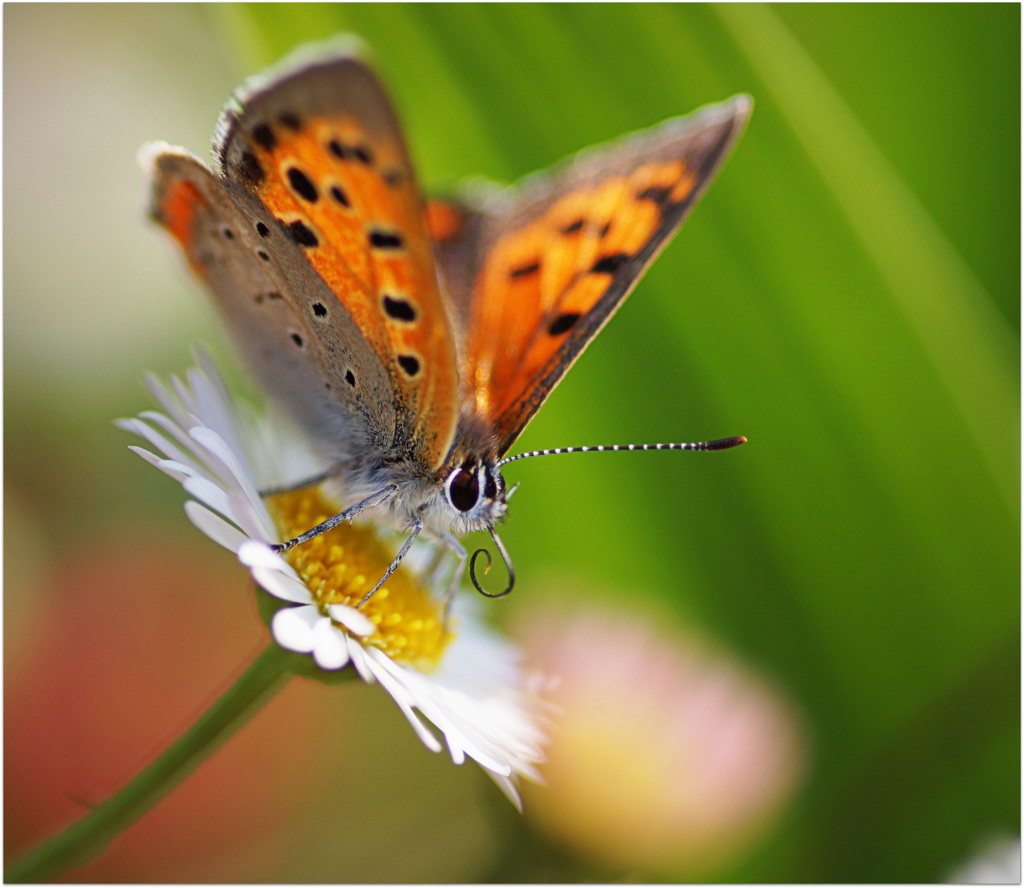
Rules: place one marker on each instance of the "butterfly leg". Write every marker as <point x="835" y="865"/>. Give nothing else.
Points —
<point x="348" y="514"/>
<point x="459" y="551"/>
<point x="417" y="527"/>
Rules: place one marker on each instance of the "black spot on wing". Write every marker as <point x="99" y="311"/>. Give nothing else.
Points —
<point x="302" y="185"/>
<point x="610" y="264"/>
<point x="399" y="309"/>
<point x="410" y="364"/>
<point x="264" y="136"/>
<point x="563" y="323"/>
<point x="302" y="234"/>
<point x="657" y="194"/>
<point x="262" y="230"/>
<point x="342" y="151"/>
<point x="249" y="168"/>
<point x="385" y="240"/>
<point x="524" y="270"/>
<point x="340" y="196"/>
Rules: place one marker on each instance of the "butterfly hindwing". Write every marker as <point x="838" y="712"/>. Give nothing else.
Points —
<point x="320" y="147"/>
<point x="537" y="270"/>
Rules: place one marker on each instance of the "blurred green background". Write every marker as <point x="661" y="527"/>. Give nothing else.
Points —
<point x="846" y="296"/>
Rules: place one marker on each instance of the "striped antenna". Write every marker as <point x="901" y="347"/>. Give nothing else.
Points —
<point x="719" y="444"/>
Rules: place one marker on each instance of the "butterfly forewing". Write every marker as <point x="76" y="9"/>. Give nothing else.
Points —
<point x="551" y="260"/>
<point x="274" y="304"/>
<point x="321" y="149"/>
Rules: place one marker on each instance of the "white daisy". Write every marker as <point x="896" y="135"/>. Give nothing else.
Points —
<point x="460" y="677"/>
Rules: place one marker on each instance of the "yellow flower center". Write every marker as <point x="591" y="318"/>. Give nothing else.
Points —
<point x="342" y="565"/>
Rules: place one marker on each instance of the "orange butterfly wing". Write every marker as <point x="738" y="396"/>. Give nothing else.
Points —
<point x="322" y="150"/>
<point x="536" y="272"/>
<point x="299" y="341"/>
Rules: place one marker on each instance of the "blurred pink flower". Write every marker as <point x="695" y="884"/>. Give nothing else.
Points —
<point x="667" y="756"/>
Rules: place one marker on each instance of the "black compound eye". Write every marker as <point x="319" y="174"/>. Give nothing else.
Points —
<point x="490" y="487"/>
<point x="464" y="490"/>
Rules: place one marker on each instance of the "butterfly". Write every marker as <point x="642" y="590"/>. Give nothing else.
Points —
<point x="414" y="340"/>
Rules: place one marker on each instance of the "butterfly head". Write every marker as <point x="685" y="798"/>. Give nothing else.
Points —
<point x="474" y="495"/>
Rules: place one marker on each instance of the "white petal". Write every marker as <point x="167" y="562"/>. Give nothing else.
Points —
<point x="151" y="458"/>
<point x="255" y="554"/>
<point x="234" y="506"/>
<point x="217" y="411"/>
<point x="457" y="753"/>
<point x="187" y="404"/>
<point x="293" y="627"/>
<point x="462" y="736"/>
<point x="178" y="471"/>
<point x="468" y="725"/>
<point x="152" y="437"/>
<point x="400" y="695"/>
<point x="357" y="653"/>
<point x="506" y="785"/>
<point x="353" y="620"/>
<point x="231" y="464"/>
<point x="170" y="427"/>
<point x="253" y="517"/>
<point x="208" y="367"/>
<point x="175" y="470"/>
<point x="211" y="494"/>
<point x="165" y="398"/>
<point x="215" y="527"/>
<point x="329" y="648"/>
<point x="281" y="585"/>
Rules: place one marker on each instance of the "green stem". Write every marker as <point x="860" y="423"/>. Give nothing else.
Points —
<point x="89" y="836"/>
